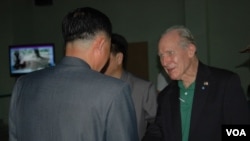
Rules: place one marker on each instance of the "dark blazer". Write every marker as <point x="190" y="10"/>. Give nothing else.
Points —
<point x="71" y="102"/>
<point x="218" y="99"/>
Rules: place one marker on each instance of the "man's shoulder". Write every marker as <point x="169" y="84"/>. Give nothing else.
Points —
<point x="137" y="79"/>
<point x="114" y="81"/>
<point x="217" y="71"/>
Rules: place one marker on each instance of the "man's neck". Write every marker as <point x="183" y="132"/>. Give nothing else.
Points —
<point x="190" y="74"/>
<point x="118" y="73"/>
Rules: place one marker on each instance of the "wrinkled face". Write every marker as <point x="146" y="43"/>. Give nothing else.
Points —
<point x="175" y="59"/>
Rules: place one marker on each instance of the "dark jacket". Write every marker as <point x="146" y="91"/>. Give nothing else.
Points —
<point x="218" y="99"/>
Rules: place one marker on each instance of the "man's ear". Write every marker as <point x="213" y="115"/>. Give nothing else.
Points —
<point x="98" y="45"/>
<point x="191" y="50"/>
<point x="119" y="58"/>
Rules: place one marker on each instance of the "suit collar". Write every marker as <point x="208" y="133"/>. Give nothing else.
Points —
<point x="73" y="61"/>
<point x="174" y="105"/>
<point x="124" y="76"/>
<point x="128" y="77"/>
<point x="200" y="94"/>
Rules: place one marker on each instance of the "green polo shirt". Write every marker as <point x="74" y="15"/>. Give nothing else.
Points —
<point x="186" y="101"/>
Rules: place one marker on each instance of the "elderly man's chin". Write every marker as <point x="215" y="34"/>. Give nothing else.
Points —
<point x="174" y="76"/>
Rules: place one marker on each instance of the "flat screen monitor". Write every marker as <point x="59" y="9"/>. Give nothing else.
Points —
<point x="25" y="59"/>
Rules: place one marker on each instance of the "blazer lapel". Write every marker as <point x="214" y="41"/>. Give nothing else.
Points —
<point x="175" y="108"/>
<point x="200" y="96"/>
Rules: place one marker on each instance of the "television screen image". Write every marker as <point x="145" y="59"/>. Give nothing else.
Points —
<point x="24" y="59"/>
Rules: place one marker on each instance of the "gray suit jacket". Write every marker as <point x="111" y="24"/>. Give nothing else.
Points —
<point x="71" y="102"/>
<point x="144" y="95"/>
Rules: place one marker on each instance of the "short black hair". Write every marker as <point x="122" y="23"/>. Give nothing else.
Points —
<point x="119" y="45"/>
<point x="85" y="23"/>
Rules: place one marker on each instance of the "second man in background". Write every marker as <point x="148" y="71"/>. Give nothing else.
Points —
<point x="143" y="92"/>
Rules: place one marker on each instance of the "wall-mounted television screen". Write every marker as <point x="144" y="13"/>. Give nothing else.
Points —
<point x="24" y="59"/>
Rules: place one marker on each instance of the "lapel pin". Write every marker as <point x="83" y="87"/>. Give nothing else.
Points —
<point x="205" y="83"/>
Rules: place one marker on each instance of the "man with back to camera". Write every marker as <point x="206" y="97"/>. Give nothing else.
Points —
<point x="199" y="99"/>
<point x="143" y="92"/>
<point x="73" y="101"/>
